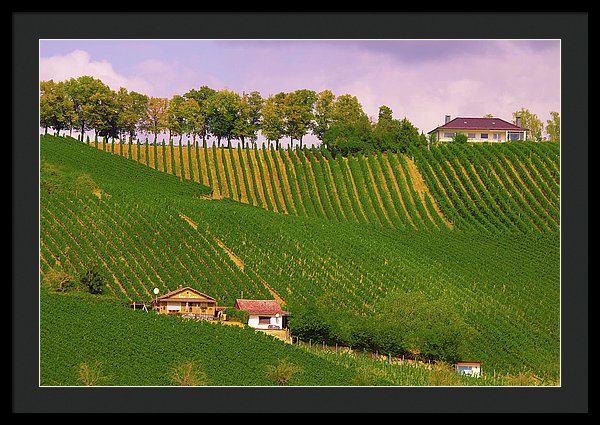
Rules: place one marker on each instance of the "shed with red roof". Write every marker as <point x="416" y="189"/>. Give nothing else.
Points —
<point x="480" y="129"/>
<point x="263" y="314"/>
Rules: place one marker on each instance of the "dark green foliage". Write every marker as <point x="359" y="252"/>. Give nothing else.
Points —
<point x="407" y="324"/>
<point x="311" y="323"/>
<point x="347" y="138"/>
<point x="236" y="315"/>
<point x="460" y="138"/>
<point x="93" y="280"/>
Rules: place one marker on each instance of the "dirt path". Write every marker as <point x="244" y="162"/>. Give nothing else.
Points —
<point x="421" y="188"/>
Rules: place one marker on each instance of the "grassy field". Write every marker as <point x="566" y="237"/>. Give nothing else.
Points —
<point x="476" y="226"/>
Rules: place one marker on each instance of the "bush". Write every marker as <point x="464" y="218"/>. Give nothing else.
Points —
<point x="93" y="280"/>
<point x="311" y="323"/>
<point x="428" y="328"/>
<point x="460" y="138"/>
<point x="91" y="374"/>
<point x="283" y="372"/>
<point x="188" y="374"/>
<point x="236" y="315"/>
<point x="58" y="280"/>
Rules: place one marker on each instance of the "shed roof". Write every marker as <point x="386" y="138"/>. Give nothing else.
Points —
<point x="259" y="306"/>
<point x="476" y="123"/>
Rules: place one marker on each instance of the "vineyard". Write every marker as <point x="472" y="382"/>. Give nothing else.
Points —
<point x="474" y="225"/>
<point x="501" y="187"/>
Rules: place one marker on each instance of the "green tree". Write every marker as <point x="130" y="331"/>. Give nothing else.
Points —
<point x="553" y="127"/>
<point x="56" y="108"/>
<point x="425" y="327"/>
<point x="394" y="135"/>
<point x="530" y="121"/>
<point x="200" y="96"/>
<point x="248" y="122"/>
<point x="132" y="107"/>
<point x="92" y="102"/>
<point x="175" y="119"/>
<point x="193" y="119"/>
<point x="273" y="121"/>
<point x="155" y="117"/>
<point x="93" y="280"/>
<point x="299" y="113"/>
<point x="222" y="111"/>
<point x="323" y="113"/>
<point x="350" y="130"/>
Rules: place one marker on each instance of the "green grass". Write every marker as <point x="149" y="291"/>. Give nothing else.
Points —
<point x="505" y="285"/>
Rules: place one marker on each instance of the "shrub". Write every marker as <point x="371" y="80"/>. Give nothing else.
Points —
<point x="428" y="328"/>
<point x="58" y="280"/>
<point x="236" y="315"/>
<point x="460" y="138"/>
<point x="282" y="373"/>
<point x="91" y="374"/>
<point x="93" y="280"/>
<point x="188" y="374"/>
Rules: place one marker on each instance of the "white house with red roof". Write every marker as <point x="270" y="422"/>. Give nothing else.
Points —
<point x="480" y="129"/>
<point x="263" y="314"/>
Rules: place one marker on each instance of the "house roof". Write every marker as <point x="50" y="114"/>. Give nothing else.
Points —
<point x="181" y="289"/>
<point x="475" y="123"/>
<point x="259" y="306"/>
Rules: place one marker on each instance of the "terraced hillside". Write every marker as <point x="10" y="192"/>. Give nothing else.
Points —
<point x="491" y="187"/>
<point x="150" y="229"/>
<point x="384" y="190"/>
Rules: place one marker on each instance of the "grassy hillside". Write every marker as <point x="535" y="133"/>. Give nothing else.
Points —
<point x="135" y="348"/>
<point x="487" y="187"/>
<point x="150" y="229"/>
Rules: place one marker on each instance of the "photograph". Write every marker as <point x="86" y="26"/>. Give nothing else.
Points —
<point x="304" y="213"/>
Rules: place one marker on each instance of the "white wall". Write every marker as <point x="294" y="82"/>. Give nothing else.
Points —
<point x="253" y="321"/>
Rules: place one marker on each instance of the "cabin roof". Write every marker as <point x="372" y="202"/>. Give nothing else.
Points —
<point x="181" y="289"/>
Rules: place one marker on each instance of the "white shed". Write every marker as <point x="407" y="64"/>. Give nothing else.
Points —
<point x="263" y="314"/>
<point x="469" y="368"/>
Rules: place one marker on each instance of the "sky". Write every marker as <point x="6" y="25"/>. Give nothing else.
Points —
<point x="421" y="80"/>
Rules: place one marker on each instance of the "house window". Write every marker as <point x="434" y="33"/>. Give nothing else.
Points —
<point x="483" y="136"/>
<point x="471" y="135"/>
<point x="496" y="136"/>
<point x="264" y="320"/>
<point x="515" y="136"/>
<point x="448" y="135"/>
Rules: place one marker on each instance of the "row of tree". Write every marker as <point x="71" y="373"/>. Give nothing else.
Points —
<point x="339" y="122"/>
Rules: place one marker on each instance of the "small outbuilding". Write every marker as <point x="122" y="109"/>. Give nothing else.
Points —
<point x="469" y="368"/>
<point x="187" y="302"/>
<point x="263" y="314"/>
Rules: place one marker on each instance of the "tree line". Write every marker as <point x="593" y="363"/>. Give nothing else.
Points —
<point x="339" y="122"/>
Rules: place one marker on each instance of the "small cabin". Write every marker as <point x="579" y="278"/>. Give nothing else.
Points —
<point x="186" y="302"/>
<point x="469" y="368"/>
<point x="263" y="314"/>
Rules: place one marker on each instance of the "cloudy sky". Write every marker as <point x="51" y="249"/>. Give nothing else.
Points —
<point x="422" y="80"/>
